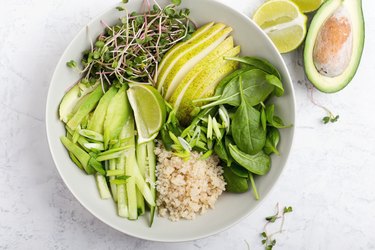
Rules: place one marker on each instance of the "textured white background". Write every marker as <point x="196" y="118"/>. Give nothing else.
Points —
<point x="329" y="180"/>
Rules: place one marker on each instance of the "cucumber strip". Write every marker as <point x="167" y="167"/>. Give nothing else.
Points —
<point x="122" y="204"/>
<point x="112" y="166"/>
<point x="96" y="122"/>
<point x="130" y="185"/>
<point x="140" y="203"/>
<point x="151" y="168"/>
<point x="90" y="134"/>
<point x="86" y="107"/>
<point x="142" y="158"/>
<point x="79" y="153"/>
<point x="142" y="186"/>
<point x="71" y="98"/>
<point x="101" y="182"/>
<point x="117" y="114"/>
<point x="130" y="170"/>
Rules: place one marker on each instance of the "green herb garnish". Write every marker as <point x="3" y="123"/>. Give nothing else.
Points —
<point x="268" y="238"/>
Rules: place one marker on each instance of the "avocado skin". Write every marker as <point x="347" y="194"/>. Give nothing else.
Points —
<point x="334" y="84"/>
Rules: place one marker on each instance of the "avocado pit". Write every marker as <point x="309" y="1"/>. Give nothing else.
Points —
<point x="334" y="43"/>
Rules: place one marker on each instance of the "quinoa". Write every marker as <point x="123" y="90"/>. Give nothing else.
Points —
<point x="186" y="188"/>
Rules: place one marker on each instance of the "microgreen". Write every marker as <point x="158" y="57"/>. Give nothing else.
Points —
<point x="330" y="118"/>
<point x="131" y="50"/>
<point x="71" y="64"/>
<point x="268" y="238"/>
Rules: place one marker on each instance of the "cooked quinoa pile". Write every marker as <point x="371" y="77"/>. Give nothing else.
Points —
<point x="186" y="188"/>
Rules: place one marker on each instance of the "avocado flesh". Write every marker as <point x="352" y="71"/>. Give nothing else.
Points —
<point x="326" y="78"/>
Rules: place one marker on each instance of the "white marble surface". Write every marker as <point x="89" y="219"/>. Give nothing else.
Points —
<point x="329" y="181"/>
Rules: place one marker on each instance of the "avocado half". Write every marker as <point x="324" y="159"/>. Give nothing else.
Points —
<point x="334" y="44"/>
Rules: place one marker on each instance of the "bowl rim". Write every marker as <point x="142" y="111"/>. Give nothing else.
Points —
<point x="213" y="232"/>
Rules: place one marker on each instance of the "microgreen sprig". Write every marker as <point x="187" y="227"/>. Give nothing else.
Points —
<point x="268" y="239"/>
<point x="129" y="52"/>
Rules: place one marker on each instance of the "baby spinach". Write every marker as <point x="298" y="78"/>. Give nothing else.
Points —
<point x="272" y="140"/>
<point x="239" y="171"/>
<point x="247" y="130"/>
<point x="256" y="62"/>
<point x="273" y="80"/>
<point x="274" y="120"/>
<point x="223" y="83"/>
<point x="221" y="151"/>
<point x="256" y="89"/>
<point x="258" y="164"/>
<point x="235" y="184"/>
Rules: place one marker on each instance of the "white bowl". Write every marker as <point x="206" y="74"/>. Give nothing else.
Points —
<point x="230" y="208"/>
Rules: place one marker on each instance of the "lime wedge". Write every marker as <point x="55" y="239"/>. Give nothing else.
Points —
<point x="149" y="111"/>
<point x="283" y="22"/>
<point x="308" y="5"/>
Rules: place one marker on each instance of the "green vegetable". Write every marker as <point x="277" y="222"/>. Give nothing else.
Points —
<point x="235" y="184"/>
<point x="256" y="62"/>
<point x="79" y="153"/>
<point x="247" y="131"/>
<point x="221" y="151"/>
<point x="253" y="186"/>
<point x="151" y="168"/>
<point x="117" y="112"/>
<point x="258" y="164"/>
<point x="72" y="98"/>
<point x="330" y="118"/>
<point x="91" y="135"/>
<point x="239" y="171"/>
<point x="256" y="89"/>
<point x="85" y="108"/>
<point x="272" y="140"/>
<point x="274" y="120"/>
<point x="130" y="51"/>
<point x="101" y="182"/>
<point x="96" y="122"/>
<point x="268" y="238"/>
<point x="223" y="83"/>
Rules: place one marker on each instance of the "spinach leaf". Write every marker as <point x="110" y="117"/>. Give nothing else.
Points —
<point x="239" y="171"/>
<point x="274" y="120"/>
<point x="273" y="138"/>
<point x="235" y="184"/>
<point x="221" y="151"/>
<point x="273" y="80"/>
<point x="257" y="164"/>
<point x="256" y="62"/>
<point x="263" y="118"/>
<point x="247" y="131"/>
<point x="256" y="88"/>
<point x="223" y="83"/>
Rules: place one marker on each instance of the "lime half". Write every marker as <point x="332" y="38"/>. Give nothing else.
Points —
<point x="149" y="111"/>
<point x="308" y="5"/>
<point x="283" y="22"/>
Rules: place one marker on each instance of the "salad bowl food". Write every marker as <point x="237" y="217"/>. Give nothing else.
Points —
<point x="230" y="208"/>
